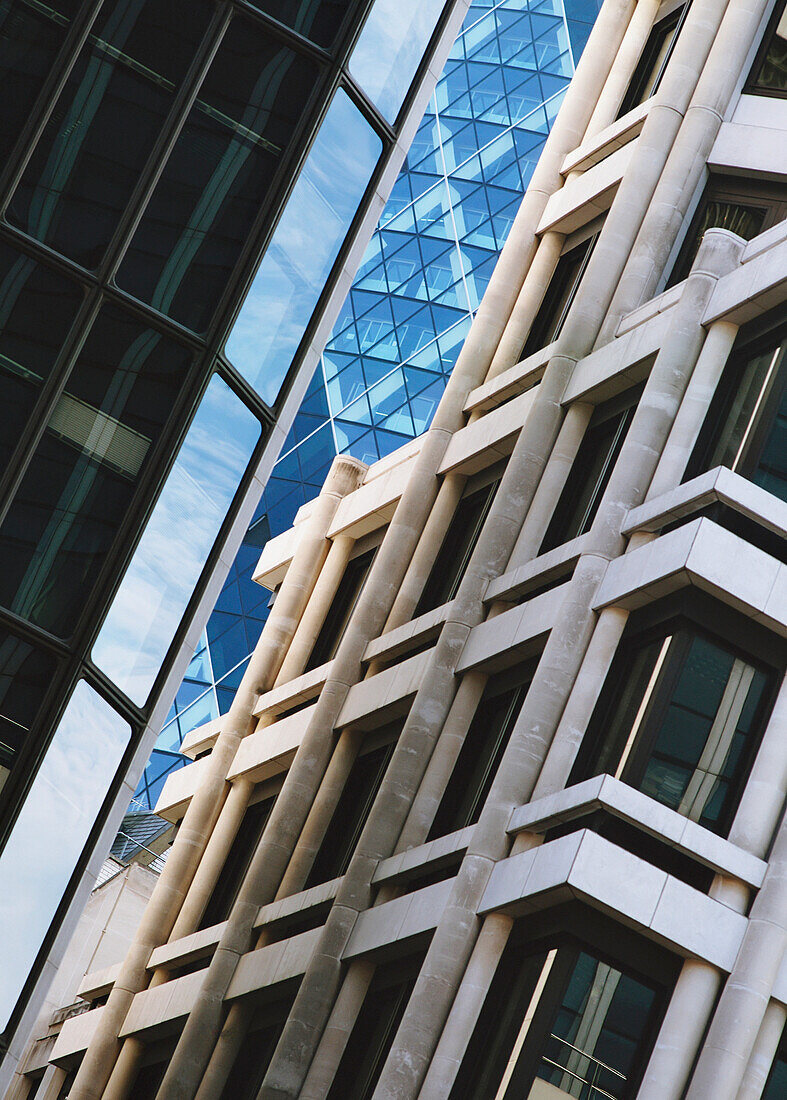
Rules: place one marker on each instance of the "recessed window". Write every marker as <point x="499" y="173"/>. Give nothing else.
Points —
<point x="561" y="1020"/>
<point x="746" y="425"/>
<point x="354" y="805"/>
<point x="776" y="1085"/>
<point x="560" y="293"/>
<point x="653" y="60"/>
<point x="680" y="719"/>
<point x="482" y="751"/>
<point x="769" y="72"/>
<point x="457" y="547"/>
<point x="237" y="862"/>
<point x="342" y="607"/>
<point x="591" y="470"/>
<point x="746" y="209"/>
<point x="256" y="1050"/>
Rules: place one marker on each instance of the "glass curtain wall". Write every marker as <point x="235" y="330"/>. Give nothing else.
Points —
<point x="403" y="323"/>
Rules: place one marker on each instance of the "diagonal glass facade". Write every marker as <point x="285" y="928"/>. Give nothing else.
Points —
<point x="400" y="329"/>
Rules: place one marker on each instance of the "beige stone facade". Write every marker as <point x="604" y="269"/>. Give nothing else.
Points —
<point x="500" y="814"/>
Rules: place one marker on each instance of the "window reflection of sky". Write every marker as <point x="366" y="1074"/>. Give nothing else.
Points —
<point x="304" y="246"/>
<point x="389" y="49"/>
<point x="51" y="831"/>
<point x="167" y="563"/>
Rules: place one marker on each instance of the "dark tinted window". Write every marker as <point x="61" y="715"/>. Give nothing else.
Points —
<point x="82" y="477"/>
<point x="457" y="547"/>
<point x="103" y="127"/>
<point x="253" y="1058"/>
<point x="560" y="294"/>
<point x="218" y="175"/>
<point x="776" y="1085"/>
<point x="769" y="74"/>
<point x="318" y="20"/>
<point x="590" y="473"/>
<point x="30" y="36"/>
<point x="25" y="674"/>
<point x="341" y="609"/>
<point x="28" y="349"/>
<point x="237" y="863"/>
<point x="653" y="61"/>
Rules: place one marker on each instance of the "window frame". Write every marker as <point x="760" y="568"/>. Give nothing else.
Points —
<point x="633" y="96"/>
<point x="551" y="316"/>
<point x="751" y="87"/>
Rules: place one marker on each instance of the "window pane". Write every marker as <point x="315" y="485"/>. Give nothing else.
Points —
<point x="83" y="475"/>
<point x="744" y="220"/>
<point x="30" y="36"/>
<point x="167" y="563"/>
<point x="41" y="853"/>
<point x="218" y="175"/>
<point x="105" y="122"/>
<point x="772" y="74"/>
<point x="390" y="47"/>
<point x="28" y="349"/>
<point x="318" y="20"/>
<point x="25" y="674"/>
<point x="299" y="258"/>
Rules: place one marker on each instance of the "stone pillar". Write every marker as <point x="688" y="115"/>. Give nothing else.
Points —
<point x="762" y="802"/>
<point x="163" y="908"/>
<point x="763" y="1052"/>
<point x="624" y="66"/>
<point x="337" y="1031"/>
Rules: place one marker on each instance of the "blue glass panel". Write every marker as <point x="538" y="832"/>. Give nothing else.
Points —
<point x="389" y="49"/>
<point x="171" y="554"/>
<point x="46" y="842"/>
<point x="299" y="258"/>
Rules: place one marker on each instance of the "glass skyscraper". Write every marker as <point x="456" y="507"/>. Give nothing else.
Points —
<point x="402" y="325"/>
<point x="183" y="186"/>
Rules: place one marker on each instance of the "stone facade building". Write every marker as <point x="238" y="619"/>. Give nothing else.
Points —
<point x="497" y="809"/>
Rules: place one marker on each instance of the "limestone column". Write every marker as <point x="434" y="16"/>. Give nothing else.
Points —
<point x="763" y="1052"/>
<point x="163" y="908"/>
<point x="762" y="801"/>
<point x="688" y="157"/>
<point x="337" y="1031"/>
<point x="624" y="66"/>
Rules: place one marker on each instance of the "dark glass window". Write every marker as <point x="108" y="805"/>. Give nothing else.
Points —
<point x="457" y="548"/>
<point x="90" y="155"/>
<point x="218" y="175"/>
<point x="148" y="1079"/>
<point x="769" y="74"/>
<point x="564" y="1016"/>
<point x="28" y="349"/>
<point x="237" y="863"/>
<point x="25" y="675"/>
<point x="81" y="480"/>
<point x="745" y="209"/>
<point x="374" y="1030"/>
<point x="653" y="60"/>
<point x="30" y="36"/>
<point x="746" y="425"/>
<point x="776" y="1085"/>
<point x="560" y="293"/>
<point x="591" y="470"/>
<point x="353" y="807"/>
<point x="482" y="751"/>
<point x="318" y="20"/>
<point x="680" y="718"/>
<point x="342" y="607"/>
<point x="251" y="1064"/>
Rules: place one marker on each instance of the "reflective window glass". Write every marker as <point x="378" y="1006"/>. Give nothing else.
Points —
<point x="89" y="157"/>
<point x="218" y="175"/>
<point x="304" y="246"/>
<point x="770" y="71"/>
<point x="28" y="349"/>
<point x="50" y="832"/>
<point x="30" y="36"/>
<point x="25" y="674"/>
<point x="83" y="475"/>
<point x="318" y="20"/>
<point x="171" y="554"/>
<point x="390" y="48"/>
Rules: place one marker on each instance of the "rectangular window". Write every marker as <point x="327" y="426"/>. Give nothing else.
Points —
<point x="342" y="607"/>
<point x="481" y="752"/>
<point x="680" y="719"/>
<point x="354" y="805"/>
<point x="653" y="60"/>
<point x="374" y="1030"/>
<point x="591" y="470"/>
<point x="256" y="1050"/>
<point x="560" y="1021"/>
<point x="769" y="72"/>
<point x="457" y="548"/>
<point x="746" y="425"/>
<point x="237" y="862"/>
<point x="746" y="208"/>
<point x="776" y="1085"/>
<point x="559" y="295"/>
